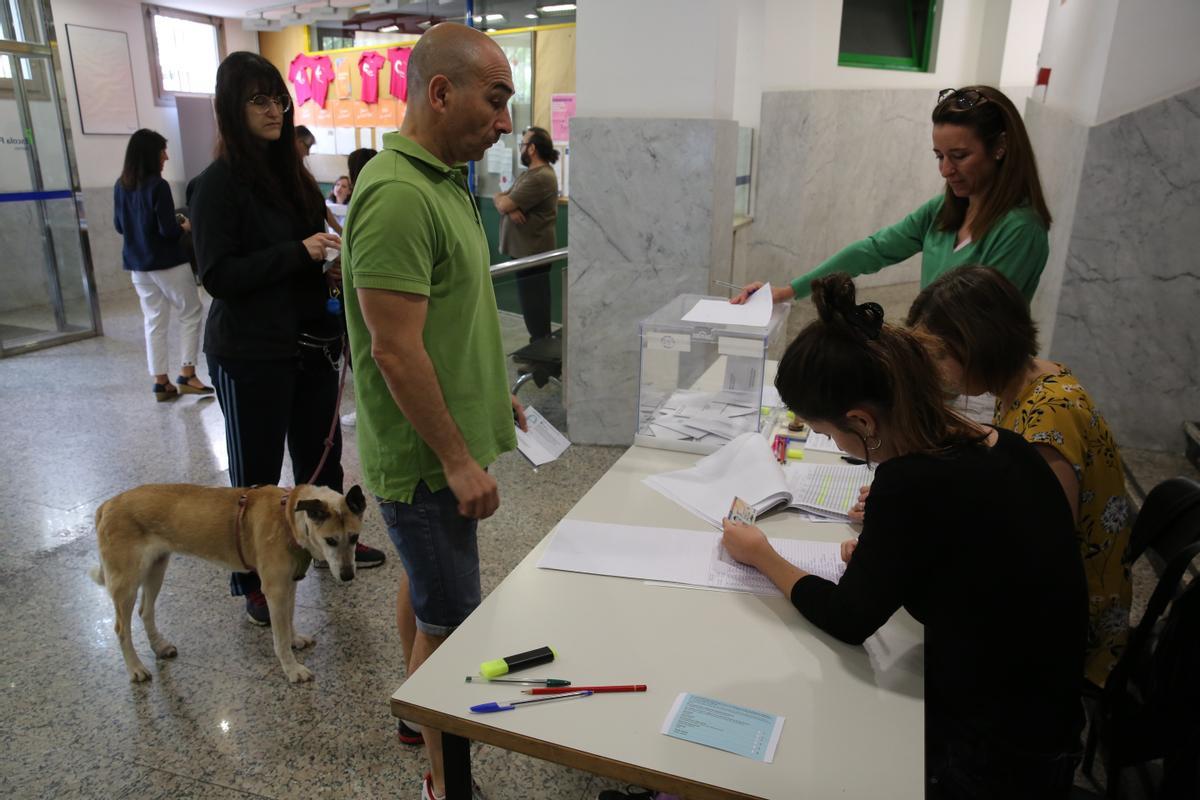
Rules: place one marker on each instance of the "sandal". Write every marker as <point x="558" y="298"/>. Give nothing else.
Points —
<point x="186" y="387"/>
<point x="164" y="392"/>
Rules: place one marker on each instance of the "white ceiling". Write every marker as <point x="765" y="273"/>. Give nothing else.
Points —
<point x="240" y="8"/>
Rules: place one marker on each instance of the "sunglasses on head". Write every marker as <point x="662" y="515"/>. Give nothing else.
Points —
<point x="961" y="99"/>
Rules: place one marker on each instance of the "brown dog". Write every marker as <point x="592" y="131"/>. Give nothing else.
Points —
<point x="266" y="529"/>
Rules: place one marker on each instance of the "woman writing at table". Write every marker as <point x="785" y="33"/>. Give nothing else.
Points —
<point x="991" y="212"/>
<point x="968" y="530"/>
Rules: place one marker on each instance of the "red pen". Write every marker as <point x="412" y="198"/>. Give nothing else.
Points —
<point x="640" y="687"/>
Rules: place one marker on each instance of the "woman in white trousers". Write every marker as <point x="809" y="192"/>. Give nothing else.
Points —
<point x="144" y="214"/>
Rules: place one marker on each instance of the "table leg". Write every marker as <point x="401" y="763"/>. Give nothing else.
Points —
<point x="456" y="766"/>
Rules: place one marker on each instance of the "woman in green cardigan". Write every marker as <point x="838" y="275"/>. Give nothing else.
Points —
<point x="992" y="211"/>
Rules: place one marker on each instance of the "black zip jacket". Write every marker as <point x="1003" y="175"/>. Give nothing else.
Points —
<point x="252" y="260"/>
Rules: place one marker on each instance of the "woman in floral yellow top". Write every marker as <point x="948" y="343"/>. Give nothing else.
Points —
<point x="984" y="340"/>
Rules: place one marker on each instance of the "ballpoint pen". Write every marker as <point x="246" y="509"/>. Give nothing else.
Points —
<point x="728" y="285"/>
<point x="528" y="682"/>
<point x="488" y="708"/>
<point x="640" y="687"/>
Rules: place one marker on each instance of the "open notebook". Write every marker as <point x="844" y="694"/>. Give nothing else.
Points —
<point x="747" y="468"/>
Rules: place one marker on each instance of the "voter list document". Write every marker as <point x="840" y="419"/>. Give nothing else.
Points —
<point x="734" y="729"/>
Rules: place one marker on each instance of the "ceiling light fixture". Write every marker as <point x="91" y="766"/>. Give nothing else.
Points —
<point x="531" y="16"/>
<point x="261" y="23"/>
<point x="327" y="12"/>
<point x="557" y="8"/>
<point x="390" y="29"/>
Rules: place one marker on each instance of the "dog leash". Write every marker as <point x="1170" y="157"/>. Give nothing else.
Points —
<point x="243" y="501"/>
<point x="337" y="407"/>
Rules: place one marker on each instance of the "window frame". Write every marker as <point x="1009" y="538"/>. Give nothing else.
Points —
<point x="162" y="97"/>
<point x="918" y="62"/>
<point x="35" y="87"/>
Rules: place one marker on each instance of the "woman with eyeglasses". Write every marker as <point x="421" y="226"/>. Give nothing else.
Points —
<point x="273" y="340"/>
<point x="992" y="210"/>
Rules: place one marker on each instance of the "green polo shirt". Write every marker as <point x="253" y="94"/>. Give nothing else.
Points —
<point x="414" y="227"/>
<point x="1017" y="246"/>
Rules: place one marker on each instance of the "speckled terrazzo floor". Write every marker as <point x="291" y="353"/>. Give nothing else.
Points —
<point x="220" y="721"/>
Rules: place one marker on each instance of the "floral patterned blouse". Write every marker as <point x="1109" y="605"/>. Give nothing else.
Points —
<point x="1056" y="411"/>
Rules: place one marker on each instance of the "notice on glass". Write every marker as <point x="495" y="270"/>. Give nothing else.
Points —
<point x="542" y="443"/>
<point x="734" y="729"/>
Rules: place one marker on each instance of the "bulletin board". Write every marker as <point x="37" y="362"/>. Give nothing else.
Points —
<point x="103" y="73"/>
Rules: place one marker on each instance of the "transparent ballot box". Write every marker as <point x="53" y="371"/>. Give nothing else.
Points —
<point x="701" y="383"/>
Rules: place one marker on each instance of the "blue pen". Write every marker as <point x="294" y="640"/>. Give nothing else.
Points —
<point x="488" y="708"/>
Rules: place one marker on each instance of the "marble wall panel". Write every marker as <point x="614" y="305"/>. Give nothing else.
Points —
<point x="651" y="211"/>
<point x="833" y="167"/>
<point x="1059" y="144"/>
<point x="1126" y="320"/>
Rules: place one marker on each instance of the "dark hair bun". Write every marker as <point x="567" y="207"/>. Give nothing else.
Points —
<point x="836" y="302"/>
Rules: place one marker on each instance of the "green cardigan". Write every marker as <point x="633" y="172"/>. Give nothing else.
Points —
<point x="1017" y="246"/>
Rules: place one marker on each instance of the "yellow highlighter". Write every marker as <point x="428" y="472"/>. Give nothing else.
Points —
<point x="502" y="666"/>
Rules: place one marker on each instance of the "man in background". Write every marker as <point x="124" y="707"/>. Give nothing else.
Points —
<point x="530" y="210"/>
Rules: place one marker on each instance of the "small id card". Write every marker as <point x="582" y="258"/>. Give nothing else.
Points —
<point x="741" y="511"/>
<point x="734" y="729"/>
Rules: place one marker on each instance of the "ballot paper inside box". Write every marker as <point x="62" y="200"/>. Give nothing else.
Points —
<point x="701" y="382"/>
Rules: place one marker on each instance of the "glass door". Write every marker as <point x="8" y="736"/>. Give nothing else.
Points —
<point x="49" y="292"/>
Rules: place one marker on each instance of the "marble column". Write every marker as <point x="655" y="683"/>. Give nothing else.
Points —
<point x="1126" y="319"/>
<point x="651" y="218"/>
<point x="835" y="166"/>
<point x="1059" y="145"/>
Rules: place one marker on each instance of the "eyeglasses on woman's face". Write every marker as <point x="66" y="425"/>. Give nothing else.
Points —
<point x="263" y="103"/>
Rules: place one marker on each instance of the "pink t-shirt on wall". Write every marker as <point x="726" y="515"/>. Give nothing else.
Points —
<point x="301" y="78"/>
<point x="322" y="76"/>
<point x="398" y="85"/>
<point x="368" y="67"/>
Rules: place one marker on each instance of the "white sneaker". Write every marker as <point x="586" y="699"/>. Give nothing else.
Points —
<point x="349" y="419"/>
<point x="427" y="790"/>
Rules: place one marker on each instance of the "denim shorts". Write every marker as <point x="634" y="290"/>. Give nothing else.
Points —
<point x="441" y="556"/>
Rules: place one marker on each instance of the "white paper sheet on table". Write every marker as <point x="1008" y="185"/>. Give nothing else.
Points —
<point x="755" y="312"/>
<point x="542" y="443"/>
<point x="673" y="555"/>
<point x="743" y="468"/>
<point x="820" y="443"/>
<point x="746" y="468"/>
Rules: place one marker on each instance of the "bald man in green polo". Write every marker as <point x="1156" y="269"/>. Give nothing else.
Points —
<point x="429" y="375"/>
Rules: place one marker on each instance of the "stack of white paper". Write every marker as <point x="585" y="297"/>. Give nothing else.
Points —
<point x="747" y="468"/>
<point x="755" y="312"/>
<point x="673" y="555"/>
<point x="744" y="468"/>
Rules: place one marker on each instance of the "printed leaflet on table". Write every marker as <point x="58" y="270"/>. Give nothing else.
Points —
<point x="734" y="729"/>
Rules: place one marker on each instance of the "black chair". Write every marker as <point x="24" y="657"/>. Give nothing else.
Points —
<point x="1150" y="706"/>
<point x="540" y="362"/>
<point x="1169" y="521"/>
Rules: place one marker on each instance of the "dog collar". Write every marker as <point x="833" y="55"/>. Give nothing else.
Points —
<point x="301" y="558"/>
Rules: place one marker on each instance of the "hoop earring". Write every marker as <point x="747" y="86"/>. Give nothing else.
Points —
<point x="878" y="443"/>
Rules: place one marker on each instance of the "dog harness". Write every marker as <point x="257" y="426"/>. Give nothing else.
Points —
<point x="301" y="558"/>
